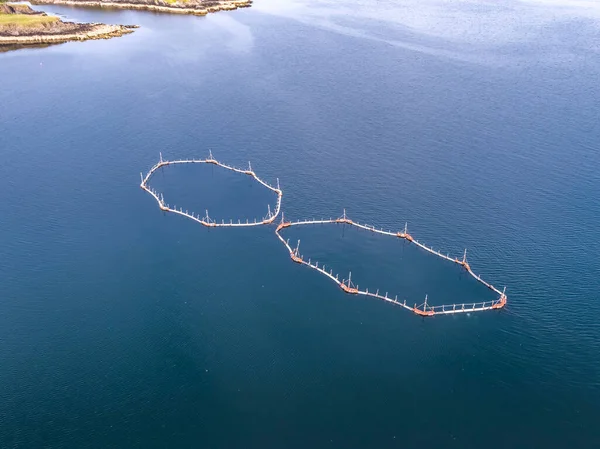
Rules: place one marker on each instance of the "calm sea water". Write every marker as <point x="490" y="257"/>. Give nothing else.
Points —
<point x="477" y="124"/>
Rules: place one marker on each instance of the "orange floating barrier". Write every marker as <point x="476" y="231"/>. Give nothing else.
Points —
<point x="282" y="226"/>
<point x="350" y="290"/>
<point x="423" y="313"/>
<point x="501" y="303"/>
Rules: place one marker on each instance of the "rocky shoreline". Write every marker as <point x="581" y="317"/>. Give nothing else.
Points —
<point x="194" y="7"/>
<point x="91" y="31"/>
<point x="21" y="26"/>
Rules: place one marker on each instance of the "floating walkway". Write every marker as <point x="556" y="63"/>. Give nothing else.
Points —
<point x="206" y="220"/>
<point x="424" y="309"/>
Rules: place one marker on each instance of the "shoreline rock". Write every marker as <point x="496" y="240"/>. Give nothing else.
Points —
<point x="193" y="7"/>
<point x="57" y="32"/>
<point x="20" y="25"/>
<point x="92" y="31"/>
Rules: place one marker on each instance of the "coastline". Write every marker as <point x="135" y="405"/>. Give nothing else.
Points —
<point x="93" y="31"/>
<point x="20" y="25"/>
<point x="58" y="32"/>
<point x="199" y="9"/>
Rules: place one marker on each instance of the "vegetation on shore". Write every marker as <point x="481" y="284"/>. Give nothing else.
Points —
<point x="25" y="20"/>
<point x="21" y="25"/>
<point x="15" y="15"/>
<point x="194" y="7"/>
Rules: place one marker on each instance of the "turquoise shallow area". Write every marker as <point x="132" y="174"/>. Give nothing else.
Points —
<point x="124" y="327"/>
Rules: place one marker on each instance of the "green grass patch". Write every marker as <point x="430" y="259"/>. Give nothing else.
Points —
<point x="25" y="19"/>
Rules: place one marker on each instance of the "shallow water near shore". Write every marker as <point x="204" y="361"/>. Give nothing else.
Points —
<point x="121" y="326"/>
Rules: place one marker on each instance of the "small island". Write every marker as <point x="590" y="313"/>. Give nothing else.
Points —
<point x="195" y="7"/>
<point x="21" y="26"/>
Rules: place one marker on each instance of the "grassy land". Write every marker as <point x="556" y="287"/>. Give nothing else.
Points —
<point x="25" y="19"/>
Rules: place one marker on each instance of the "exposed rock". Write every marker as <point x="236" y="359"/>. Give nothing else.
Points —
<point x="196" y="7"/>
<point x="53" y="30"/>
<point x="11" y="8"/>
<point x="84" y="32"/>
<point x="46" y="30"/>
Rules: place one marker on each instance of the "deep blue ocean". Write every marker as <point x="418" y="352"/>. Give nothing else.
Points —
<point x="475" y="123"/>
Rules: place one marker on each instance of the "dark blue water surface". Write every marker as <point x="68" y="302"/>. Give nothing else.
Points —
<point x="122" y="327"/>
